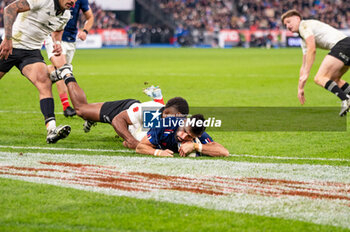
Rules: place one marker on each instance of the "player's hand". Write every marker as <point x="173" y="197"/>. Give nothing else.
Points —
<point x="57" y="49"/>
<point x="131" y="145"/>
<point x="166" y="153"/>
<point x="82" y="35"/>
<point x="5" y="49"/>
<point x="301" y="96"/>
<point x="186" y="148"/>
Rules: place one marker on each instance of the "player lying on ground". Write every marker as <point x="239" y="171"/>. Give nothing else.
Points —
<point x="27" y="23"/>
<point x="125" y="116"/>
<point x="335" y="64"/>
<point x="70" y="34"/>
<point x="170" y="139"/>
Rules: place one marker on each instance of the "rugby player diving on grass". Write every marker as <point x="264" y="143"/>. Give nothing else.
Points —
<point x="184" y="138"/>
<point x="125" y="116"/>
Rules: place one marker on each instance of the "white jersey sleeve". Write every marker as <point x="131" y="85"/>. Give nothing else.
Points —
<point x="325" y="35"/>
<point x="303" y="46"/>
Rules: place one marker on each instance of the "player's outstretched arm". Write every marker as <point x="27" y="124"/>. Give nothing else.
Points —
<point x="87" y="25"/>
<point x="308" y="60"/>
<point x="57" y="38"/>
<point x="10" y="15"/>
<point x="120" y="124"/>
<point x="147" y="148"/>
<point x="211" y="149"/>
<point x="214" y="149"/>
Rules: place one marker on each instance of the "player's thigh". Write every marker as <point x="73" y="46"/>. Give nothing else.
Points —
<point x="337" y="76"/>
<point x="37" y="73"/>
<point x="70" y="51"/>
<point x="90" y="111"/>
<point x="330" y="67"/>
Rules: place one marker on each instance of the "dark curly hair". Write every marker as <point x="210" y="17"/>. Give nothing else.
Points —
<point x="179" y="104"/>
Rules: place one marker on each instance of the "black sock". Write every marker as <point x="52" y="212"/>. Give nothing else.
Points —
<point x="333" y="87"/>
<point x="69" y="78"/>
<point x="47" y="107"/>
<point x="346" y="88"/>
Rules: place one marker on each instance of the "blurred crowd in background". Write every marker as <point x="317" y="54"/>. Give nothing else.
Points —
<point x="194" y="18"/>
<point x="214" y="15"/>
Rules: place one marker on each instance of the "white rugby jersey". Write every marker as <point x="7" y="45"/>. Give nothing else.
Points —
<point x="136" y="117"/>
<point x="325" y="35"/>
<point x="32" y="27"/>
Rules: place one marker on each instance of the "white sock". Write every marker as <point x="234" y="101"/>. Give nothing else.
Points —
<point x="51" y="125"/>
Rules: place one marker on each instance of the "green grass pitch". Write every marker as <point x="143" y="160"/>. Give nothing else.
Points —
<point x="205" y="77"/>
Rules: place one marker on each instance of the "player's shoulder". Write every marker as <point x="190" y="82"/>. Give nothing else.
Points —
<point x="41" y="5"/>
<point x="311" y="23"/>
<point x="84" y="3"/>
<point x="151" y="104"/>
<point x="205" y="138"/>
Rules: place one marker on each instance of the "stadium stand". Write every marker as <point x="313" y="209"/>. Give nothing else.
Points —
<point x="189" y="22"/>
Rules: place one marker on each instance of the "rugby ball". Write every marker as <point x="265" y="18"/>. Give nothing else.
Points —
<point x="193" y="153"/>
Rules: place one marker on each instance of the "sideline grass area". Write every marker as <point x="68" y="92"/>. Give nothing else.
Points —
<point x="52" y="208"/>
<point x="205" y="77"/>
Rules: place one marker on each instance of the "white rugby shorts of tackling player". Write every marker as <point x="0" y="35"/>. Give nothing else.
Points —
<point x="68" y="49"/>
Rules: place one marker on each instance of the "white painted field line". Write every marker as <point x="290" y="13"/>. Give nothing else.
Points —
<point x="67" y="149"/>
<point x="23" y="112"/>
<point x="96" y="172"/>
<point x="131" y="151"/>
<point x="291" y="158"/>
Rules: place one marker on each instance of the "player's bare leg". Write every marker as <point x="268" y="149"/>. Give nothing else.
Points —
<point x="37" y="74"/>
<point x="2" y="74"/>
<point x="89" y="112"/>
<point x="343" y="85"/>
<point x="327" y="76"/>
<point x="58" y="62"/>
<point x="155" y="93"/>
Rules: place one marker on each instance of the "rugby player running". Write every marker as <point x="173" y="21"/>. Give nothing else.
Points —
<point x="27" y="23"/>
<point x="318" y="34"/>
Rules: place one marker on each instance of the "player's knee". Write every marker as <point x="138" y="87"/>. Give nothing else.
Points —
<point x="79" y="109"/>
<point x="79" y="112"/>
<point x="317" y="80"/>
<point x="50" y="68"/>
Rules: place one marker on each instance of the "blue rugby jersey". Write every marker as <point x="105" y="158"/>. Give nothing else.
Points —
<point x="164" y="138"/>
<point x="71" y="29"/>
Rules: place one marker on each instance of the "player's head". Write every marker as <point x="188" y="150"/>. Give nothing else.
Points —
<point x="191" y="130"/>
<point x="176" y="106"/>
<point x="291" y="19"/>
<point x="66" y="4"/>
